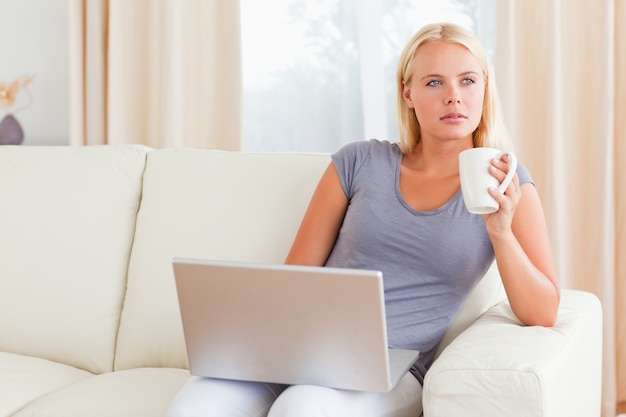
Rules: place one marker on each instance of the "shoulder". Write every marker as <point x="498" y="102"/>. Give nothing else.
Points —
<point x="364" y="159"/>
<point x="361" y="150"/>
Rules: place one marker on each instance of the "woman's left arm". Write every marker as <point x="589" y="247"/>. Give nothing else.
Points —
<point x="519" y="235"/>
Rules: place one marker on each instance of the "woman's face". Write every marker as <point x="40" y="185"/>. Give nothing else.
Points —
<point x="446" y="91"/>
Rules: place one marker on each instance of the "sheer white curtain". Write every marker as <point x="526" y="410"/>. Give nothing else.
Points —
<point x="319" y="74"/>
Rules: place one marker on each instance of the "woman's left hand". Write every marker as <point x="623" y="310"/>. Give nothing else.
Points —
<point x="500" y="222"/>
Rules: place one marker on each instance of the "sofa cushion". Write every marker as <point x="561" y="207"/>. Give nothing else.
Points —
<point x="67" y="216"/>
<point x="205" y="204"/>
<point x="24" y="379"/>
<point x="136" y="393"/>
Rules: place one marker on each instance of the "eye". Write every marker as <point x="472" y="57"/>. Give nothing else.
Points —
<point x="433" y="83"/>
<point x="468" y="80"/>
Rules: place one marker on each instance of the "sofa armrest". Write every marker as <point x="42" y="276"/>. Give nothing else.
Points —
<point x="498" y="367"/>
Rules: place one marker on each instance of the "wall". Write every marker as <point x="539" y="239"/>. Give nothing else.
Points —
<point x="33" y="41"/>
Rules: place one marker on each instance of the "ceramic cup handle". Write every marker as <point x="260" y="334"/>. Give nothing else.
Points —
<point x="512" y="169"/>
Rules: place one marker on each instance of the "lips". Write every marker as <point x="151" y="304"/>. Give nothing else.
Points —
<point x="453" y="116"/>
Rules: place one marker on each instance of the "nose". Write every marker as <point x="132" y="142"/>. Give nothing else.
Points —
<point x="453" y="99"/>
<point x="453" y="96"/>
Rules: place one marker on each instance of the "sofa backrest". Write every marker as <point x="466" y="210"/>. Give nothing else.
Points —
<point x="67" y="216"/>
<point x="205" y="204"/>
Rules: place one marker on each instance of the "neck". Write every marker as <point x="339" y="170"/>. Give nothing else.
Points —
<point x="436" y="158"/>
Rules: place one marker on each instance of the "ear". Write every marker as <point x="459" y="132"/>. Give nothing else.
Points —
<point x="406" y="95"/>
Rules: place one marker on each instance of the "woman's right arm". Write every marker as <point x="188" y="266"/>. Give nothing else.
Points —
<point x="322" y="220"/>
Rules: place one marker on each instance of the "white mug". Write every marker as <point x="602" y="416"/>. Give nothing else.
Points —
<point x="475" y="178"/>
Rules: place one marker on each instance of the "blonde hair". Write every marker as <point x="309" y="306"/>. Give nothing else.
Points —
<point x="491" y="130"/>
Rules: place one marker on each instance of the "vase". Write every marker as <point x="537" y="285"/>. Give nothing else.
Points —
<point x="11" y="132"/>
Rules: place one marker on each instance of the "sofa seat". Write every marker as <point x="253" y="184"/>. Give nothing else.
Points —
<point x="134" y="392"/>
<point x="26" y="378"/>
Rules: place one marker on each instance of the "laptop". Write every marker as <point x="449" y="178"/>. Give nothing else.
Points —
<point x="287" y="324"/>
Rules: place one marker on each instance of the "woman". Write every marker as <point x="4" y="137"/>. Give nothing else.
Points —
<point x="398" y="208"/>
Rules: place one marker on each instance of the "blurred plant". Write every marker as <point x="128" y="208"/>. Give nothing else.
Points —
<point x="11" y="132"/>
<point x="8" y="92"/>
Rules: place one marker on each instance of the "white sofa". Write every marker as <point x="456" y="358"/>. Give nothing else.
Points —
<point x="89" y="320"/>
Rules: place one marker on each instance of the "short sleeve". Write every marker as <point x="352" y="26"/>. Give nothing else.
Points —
<point x="348" y="160"/>
<point x="524" y="175"/>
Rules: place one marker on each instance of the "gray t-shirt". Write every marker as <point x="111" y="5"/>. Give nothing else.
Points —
<point x="430" y="260"/>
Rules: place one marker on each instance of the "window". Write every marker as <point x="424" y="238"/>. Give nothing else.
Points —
<point x="318" y="74"/>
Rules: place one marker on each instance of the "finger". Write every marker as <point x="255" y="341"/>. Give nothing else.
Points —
<point x="505" y="158"/>
<point x="497" y="171"/>
<point x="501" y="164"/>
<point x="501" y="199"/>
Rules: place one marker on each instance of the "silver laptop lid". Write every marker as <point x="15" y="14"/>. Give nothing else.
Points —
<point x="285" y="324"/>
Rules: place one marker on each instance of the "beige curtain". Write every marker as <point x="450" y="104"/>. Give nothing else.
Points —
<point x="562" y="74"/>
<point x="164" y="73"/>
